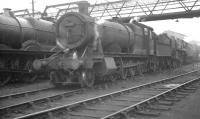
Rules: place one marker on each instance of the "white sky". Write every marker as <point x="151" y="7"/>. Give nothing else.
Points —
<point x="39" y="4"/>
<point x="189" y="27"/>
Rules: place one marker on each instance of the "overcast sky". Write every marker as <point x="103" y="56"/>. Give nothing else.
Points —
<point x="189" y="27"/>
<point x="39" y="4"/>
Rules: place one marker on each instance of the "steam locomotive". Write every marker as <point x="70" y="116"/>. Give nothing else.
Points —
<point x="96" y="50"/>
<point x="22" y="40"/>
<point x="15" y="31"/>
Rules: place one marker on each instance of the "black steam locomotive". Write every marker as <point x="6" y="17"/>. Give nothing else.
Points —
<point x="22" y="40"/>
<point x="95" y="50"/>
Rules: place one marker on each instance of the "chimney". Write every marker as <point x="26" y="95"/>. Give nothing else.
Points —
<point x="8" y="12"/>
<point x="83" y="7"/>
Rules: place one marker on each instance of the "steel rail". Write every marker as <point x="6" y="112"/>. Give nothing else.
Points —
<point x="132" y="107"/>
<point x="31" y="102"/>
<point x="24" y="93"/>
<point x="49" y="112"/>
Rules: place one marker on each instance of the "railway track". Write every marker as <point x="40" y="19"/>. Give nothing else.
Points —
<point x="98" y="106"/>
<point x="13" y="102"/>
<point x="23" y="94"/>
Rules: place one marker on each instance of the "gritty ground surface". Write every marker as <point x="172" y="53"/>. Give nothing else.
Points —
<point x="139" y="80"/>
<point x="187" y="108"/>
<point x="16" y="88"/>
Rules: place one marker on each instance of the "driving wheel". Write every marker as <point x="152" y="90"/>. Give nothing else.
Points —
<point x="56" y="78"/>
<point x="4" y="80"/>
<point x="87" y="78"/>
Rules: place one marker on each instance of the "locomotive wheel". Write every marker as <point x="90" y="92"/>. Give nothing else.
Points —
<point x="28" y="66"/>
<point x="132" y="73"/>
<point x="140" y="70"/>
<point x="29" y="79"/>
<point x="127" y="74"/>
<point x="56" y="78"/>
<point x="4" y="80"/>
<point x="115" y="76"/>
<point x="124" y="74"/>
<point x="154" y="67"/>
<point x="2" y="63"/>
<point x="15" y="64"/>
<point x="87" y="78"/>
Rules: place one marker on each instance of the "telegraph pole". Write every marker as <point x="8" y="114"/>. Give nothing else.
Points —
<point x="33" y="7"/>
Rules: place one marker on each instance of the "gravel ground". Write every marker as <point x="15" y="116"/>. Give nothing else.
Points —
<point x="16" y="88"/>
<point x="138" y="80"/>
<point x="89" y="93"/>
<point x="187" y="108"/>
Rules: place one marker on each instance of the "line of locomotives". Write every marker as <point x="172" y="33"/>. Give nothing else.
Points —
<point x="81" y="50"/>
<point x="100" y="50"/>
<point x="22" y="40"/>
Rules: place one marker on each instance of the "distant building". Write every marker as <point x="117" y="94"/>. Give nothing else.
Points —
<point x="174" y="34"/>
